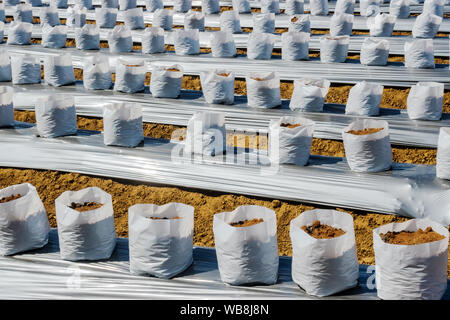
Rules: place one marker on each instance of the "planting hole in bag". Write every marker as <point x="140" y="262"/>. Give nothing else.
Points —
<point x="182" y="5"/>
<point x="222" y="44"/>
<point x="6" y="107"/>
<point x="419" y="54"/>
<point x="122" y="124"/>
<point x="25" y="69"/>
<point x="85" y="235"/>
<point x="443" y="154"/>
<point x="58" y="70"/>
<point x="56" y="116"/>
<point x="153" y="5"/>
<point x="260" y="46"/>
<point x="290" y="140"/>
<point x="194" y="20"/>
<point x="300" y="23"/>
<point x="247" y="254"/>
<point x="374" y="52"/>
<point x="19" y="33"/>
<point x="318" y="7"/>
<point x="341" y="24"/>
<point x="210" y="6"/>
<point x="206" y="134"/>
<point x="241" y="6"/>
<point x="426" y="25"/>
<point x="295" y="45"/>
<point x="186" y="42"/>
<point x="49" y="15"/>
<point x="264" y="22"/>
<point x="76" y="17"/>
<point x="166" y="81"/>
<point x="84" y="4"/>
<point x="229" y="22"/>
<point x="293" y="7"/>
<point x="127" y="4"/>
<point x="345" y="6"/>
<point x="153" y="40"/>
<point x="87" y="37"/>
<point x="381" y="25"/>
<point x="309" y="95"/>
<point x="270" y="6"/>
<point x="369" y="8"/>
<point x="54" y="37"/>
<point x="364" y="99"/>
<point x="263" y="90"/>
<point x="399" y="9"/>
<point x="411" y="260"/>
<point x="218" y="86"/>
<point x="119" y="39"/>
<point x="60" y="4"/>
<point x="324" y="260"/>
<point x="111" y="4"/>
<point x="96" y="73"/>
<point x="23" y="13"/>
<point x="163" y="18"/>
<point x="106" y="17"/>
<point x="134" y="18"/>
<point x="333" y="49"/>
<point x="130" y="76"/>
<point x="24" y="225"/>
<point x="161" y="239"/>
<point x="5" y="66"/>
<point x="425" y="100"/>
<point x="367" y="145"/>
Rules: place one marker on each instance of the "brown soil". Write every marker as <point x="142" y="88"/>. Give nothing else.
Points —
<point x="258" y="79"/>
<point x="173" y="69"/>
<point x="410" y="237"/>
<point x="10" y="198"/>
<point x="245" y="223"/>
<point x="224" y="74"/>
<point x="87" y="206"/>
<point x="365" y="131"/>
<point x="290" y="126"/>
<point x="165" y="218"/>
<point x="294" y="19"/>
<point x="322" y="231"/>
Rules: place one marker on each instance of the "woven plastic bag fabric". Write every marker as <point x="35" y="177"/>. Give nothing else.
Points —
<point x="87" y="37"/>
<point x="399" y="9"/>
<point x="270" y="6"/>
<point x="130" y="76"/>
<point x="112" y="4"/>
<point x="206" y="134"/>
<point x="119" y="39"/>
<point x="364" y="99"/>
<point x="264" y="22"/>
<point x="23" y="13"/>
<point x="153" y="5"/>
<point x="194" y="20"/>
<point x="87" y="235"/>
<point x="218" y="86"/>
<point x="295" y="46"/>
<point x="294" y="7"/>
<point x="19" y="33"/>
<point x="49" y="15"/>
<point x="2" y="13"/>
<point x="76" y="17"/>
<point x="134" y="18"/>
<point x="182" y="5"/>
<point x="163" y="18"/>
<point x="241" y="6"/>
<point x="318" y="7"/>
<point x="300" y="23"/>
<point x="11" y="2"/>
<point x="127" y="4"/>
<point x="434" y="7"/>
<point x="369" y="8"/>
<point x="443" y="154"/>
<point x="333" y="49"/>
<point x="425" y="100"/>
<point x="368" y="152"/>
<point x="341" y="24"/>
<point x="222" y="44"/>
<point x="56" y="116"/>
<point x="263" y="90"/>
<point x="210" y="6"/>
<point x="166" y="80"/>
<point x="187" y="42"/>
<point x="6" y="106"/>
<point x="5" y="66"/>
<point x="323" y="267"/>
<point x="374" y="52"/>
<point x="2" y="31"/>
<point x="58" y="70"/>
<point x="34" y="3"/>
<point x="153" y="40"/>
<point x="84" y="4"/>
<point x="25" y="69"/>
<point x="96" y="73"/>
<point x="160" y="239"/>
<point x="411" y="272"/>
<point x="106" y="17"/>
<point x="426" y="25"/>
<point x="60" y="4"/>
<point x="345" y="6"/>
<point x="381" y="25"/>
<point x="54" y="37"/>
<point x="247" y="255"/>
<point x="260" y="46"/>
<point x="290" y="145"/>
<point x="419" y="54"/>
<point x="24" y="224"/>
<point x="229" y="21"/>
<point x="122" y="124"/>
<point x="309" y="95"/>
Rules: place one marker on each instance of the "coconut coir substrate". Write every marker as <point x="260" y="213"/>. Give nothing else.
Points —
<point x="246" y="223"/>
<point x="87" y="206"/>
<point x="364" y="131"/>
<point x="411" y="237"/>
<point x="10" y="198"/>
<point x="322" y="231"/>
